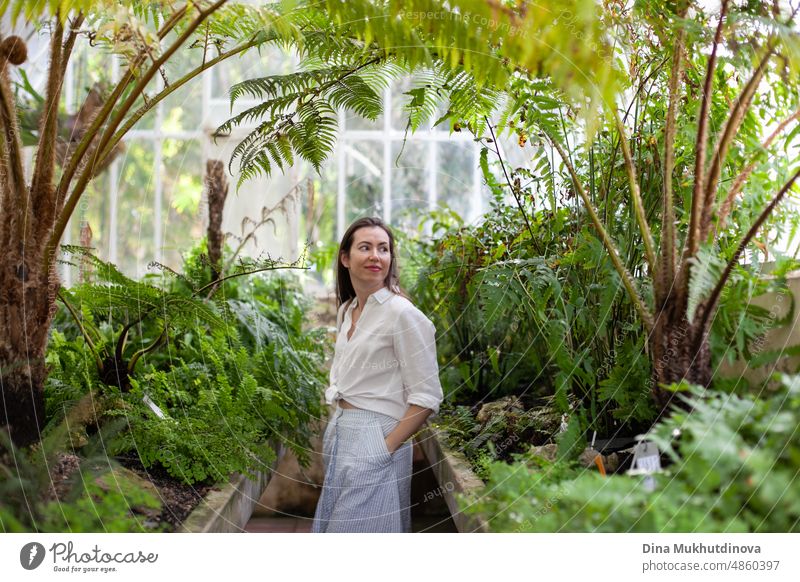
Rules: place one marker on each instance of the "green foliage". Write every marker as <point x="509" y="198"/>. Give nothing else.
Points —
<point x="706" y="270"/>
<point x="741" y="325"/>
<point x="312" y="97"/>
<point x="533" y="312"/>
<point x="735" y="465"/>
<point x="98" y="495"/>
<point x="216" y="423"/>
<point x="351" y="50"/>
<point x="232" y="372"/>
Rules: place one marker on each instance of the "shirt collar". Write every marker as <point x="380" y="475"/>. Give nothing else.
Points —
<point x="381" y="295"/>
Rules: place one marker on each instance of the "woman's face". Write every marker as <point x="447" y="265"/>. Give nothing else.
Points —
<point x="369" y="258"/>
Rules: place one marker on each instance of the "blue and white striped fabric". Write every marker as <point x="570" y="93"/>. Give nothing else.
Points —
<point x="366" y="488"/>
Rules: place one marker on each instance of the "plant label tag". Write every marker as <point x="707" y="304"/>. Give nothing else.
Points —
<point x="646" y="457"/>
<point x="153" y="406"/>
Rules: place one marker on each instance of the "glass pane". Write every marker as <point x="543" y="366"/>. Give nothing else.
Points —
<point x="400" y="102"/>
<point x="363" y="179"/>
<point x="317" y="219"/>
<point x="93" y="212"/>
<point x="272" y="61"/>
<point x="94" y="66"/>
<point x="183" y="109"/>
<point x="136" y="203"/>
<point x="182" y="175"/>
<point x="409" y="183"/>
<point x="353" y="121"/>
<point x="454" y="176"/>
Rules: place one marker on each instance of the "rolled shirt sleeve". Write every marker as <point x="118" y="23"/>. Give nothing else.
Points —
<point x="415" y="347"/>
<point x="333" y="388"/>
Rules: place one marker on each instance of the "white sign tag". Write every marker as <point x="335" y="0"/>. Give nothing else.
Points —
<point x="153" y="406"/>
<point x="646" y="459"/>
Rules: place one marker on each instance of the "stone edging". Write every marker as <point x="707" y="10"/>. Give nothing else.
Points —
<point x="454" y="475"/>
<point x="227" y="508"/>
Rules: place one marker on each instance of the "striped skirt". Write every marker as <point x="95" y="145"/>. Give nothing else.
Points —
<point x="366" y="489"/>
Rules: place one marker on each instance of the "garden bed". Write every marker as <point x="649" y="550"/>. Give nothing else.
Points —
<point x="198" y="508"/>
<point x="454" y="475"/>
<point x="227" y="509"/>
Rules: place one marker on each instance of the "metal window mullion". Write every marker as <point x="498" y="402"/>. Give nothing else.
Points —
<point x="205" y="138"/>
<point x="387" y="155"/>
<point x="113" y="190"/>
<point x="157" y="176"/>
<point x="341" y="191"/>
<point x="69" y="101"/>
<point x="476" y="208"/>
<point x="432" y="167"/>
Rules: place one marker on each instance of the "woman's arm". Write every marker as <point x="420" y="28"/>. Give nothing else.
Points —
<point x="411" y="422"/>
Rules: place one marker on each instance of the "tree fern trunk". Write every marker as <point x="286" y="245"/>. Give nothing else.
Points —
<point x="26" y="311"/>
<point x="217" y="185"/>
<point x="673" y="354"/>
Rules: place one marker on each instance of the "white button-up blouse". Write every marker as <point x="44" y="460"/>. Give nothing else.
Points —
<point x="390" y="360"/>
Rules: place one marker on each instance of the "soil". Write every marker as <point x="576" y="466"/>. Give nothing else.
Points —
<point x="177" y="499"/>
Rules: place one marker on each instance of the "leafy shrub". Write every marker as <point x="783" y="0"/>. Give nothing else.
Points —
<point x="97" y="496"/>
<point x="230" y="364"/>
<point x="736" y="466"/>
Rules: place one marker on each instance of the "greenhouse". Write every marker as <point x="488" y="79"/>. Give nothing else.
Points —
<point x="475" y="266"/>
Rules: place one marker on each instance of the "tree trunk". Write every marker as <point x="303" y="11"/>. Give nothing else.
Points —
<point x="217" y="185"/>
<point x="26" y="310"/>
<point x="674" y="356"/>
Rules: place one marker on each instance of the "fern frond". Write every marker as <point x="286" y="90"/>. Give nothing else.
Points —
<point x="705" y="270"/>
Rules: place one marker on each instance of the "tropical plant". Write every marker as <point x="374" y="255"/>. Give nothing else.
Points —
<point x="46" y="490"/>
<point x="734" y="467"/>
<point x="232" y="372"/>
<point x="146" y="36"/>
<point x="687" y="211"/>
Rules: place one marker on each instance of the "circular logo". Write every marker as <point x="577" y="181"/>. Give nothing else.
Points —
<point x="31" y="555"/>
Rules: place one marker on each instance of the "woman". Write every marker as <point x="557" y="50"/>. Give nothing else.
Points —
<point x="385" y="382"/>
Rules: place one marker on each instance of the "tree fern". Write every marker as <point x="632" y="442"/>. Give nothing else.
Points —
<point x="706" y="270"/>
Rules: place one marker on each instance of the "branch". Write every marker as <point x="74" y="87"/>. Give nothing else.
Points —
<point x="11" y="163"/>
<point x="636" y="196"/>
<point x="153" y="101"/>
<point x="627" y="280"/>
<point x="69" y="44"/>
<point x="44" y="170"/>
<point x="715" y="294"/>
<point x="157" y="342"/>
<point x="217" y="282"/>
<point x="741" y="179"/>
<point x="105" y="112"/>
<point x="88" y="171"/>
<point x="729" y="131"/>
<point x="666" y="271"/>
<point x="508" y="180"/>
<point x="85" y="334"/>
<point x="700" y="144"/>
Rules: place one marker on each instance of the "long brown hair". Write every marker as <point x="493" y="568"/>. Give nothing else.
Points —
<point x="344" y="286"/>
